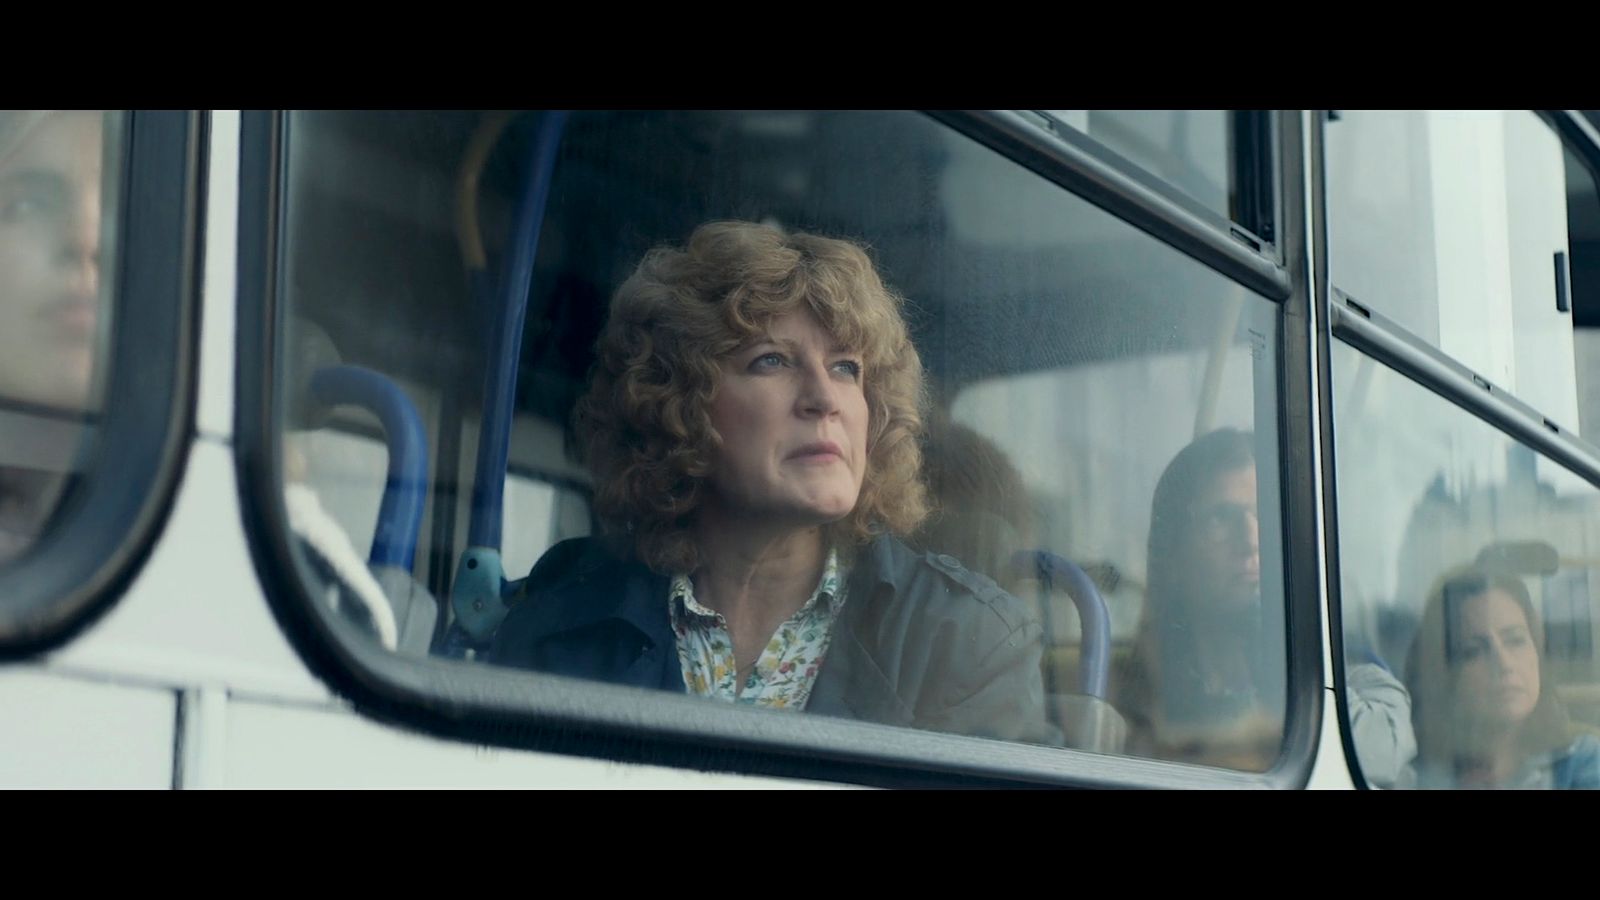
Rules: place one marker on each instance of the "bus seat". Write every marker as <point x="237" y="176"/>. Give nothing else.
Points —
<point x="1052" y="570"/>
<point x="1086" y="719"/>
<point x="394" y="542"/>
<point x="413" y="609"/>
<point x="352" y="590"/>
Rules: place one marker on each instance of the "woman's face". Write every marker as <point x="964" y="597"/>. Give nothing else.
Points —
<point x="49" y="260"/>
<point x="1495" y="660"/>
<point x="791" y="412"/>
<point x="1224" y="545"/>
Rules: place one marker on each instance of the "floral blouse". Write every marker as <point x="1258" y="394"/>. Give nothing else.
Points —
<point x="783" y="675"/>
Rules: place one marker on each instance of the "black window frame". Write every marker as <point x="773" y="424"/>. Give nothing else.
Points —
<point x="482" y="704"/>
<point x="98" y="540"/>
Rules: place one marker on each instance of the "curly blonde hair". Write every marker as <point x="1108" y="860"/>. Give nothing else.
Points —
<point x="645" y="423"/>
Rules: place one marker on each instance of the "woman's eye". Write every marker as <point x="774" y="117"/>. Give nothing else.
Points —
<point x="20" y="208"/>
<point x="767" y="361"/>
<point x="28" y="203"/>
<point x="848" y="367"/>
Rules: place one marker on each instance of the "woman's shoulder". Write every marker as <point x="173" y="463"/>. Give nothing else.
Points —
<point x="569" y="574"/>
<point x="569" y="560"/>
<point x="576" y="583"/>
<point x="938" y="582"/>
<point x="1584" y="747"/>
<point x="1579" y="765"/>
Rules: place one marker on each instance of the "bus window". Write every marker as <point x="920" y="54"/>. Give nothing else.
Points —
<point x="1453" y="225"/>
<point x="1583" y="267"/>
<point x="1214" y="157"/>
<point x="1461" y="248"/>
<point x="987" y="401"/>
<point x="1467" y="594"/>
<point x="93" y="281"/>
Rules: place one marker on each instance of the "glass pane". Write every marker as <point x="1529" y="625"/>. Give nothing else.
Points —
<point x="57" y="212"/>
<point x="1191" y="149"/>
<point x="1064" y="361"/>
<point x="1467" y="567"/>
<point x="1448" y="223"/>
<point x="1583" y="236"/>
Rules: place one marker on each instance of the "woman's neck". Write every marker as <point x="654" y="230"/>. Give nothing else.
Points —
<point x="756" y="577"/>
<point x="1491" y="763"/>
<point x="1223" y="645"/>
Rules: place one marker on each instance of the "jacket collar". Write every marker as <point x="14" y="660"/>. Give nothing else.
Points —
<point x="851" y="683"/>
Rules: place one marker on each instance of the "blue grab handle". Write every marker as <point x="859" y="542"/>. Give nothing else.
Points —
<point x="478" y="595"/>
<point x="394" y="542"/>
<point x="504" y="341"/>
<point x="1095" y="661"/>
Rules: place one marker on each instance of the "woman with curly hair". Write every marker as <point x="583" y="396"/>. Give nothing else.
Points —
<point x="1485" y="710"/>
<point x="752" y="425"/>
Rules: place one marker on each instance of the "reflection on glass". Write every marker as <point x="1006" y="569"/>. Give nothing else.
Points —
<point x="1466" y="565"/>
<point x="50" y="308"/>
<point x="1206" y="683"/>
<point x="1486" y="714"/>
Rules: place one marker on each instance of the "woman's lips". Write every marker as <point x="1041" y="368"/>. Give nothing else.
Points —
<point x="74" y="319"/>
<point x="817" y="452"/>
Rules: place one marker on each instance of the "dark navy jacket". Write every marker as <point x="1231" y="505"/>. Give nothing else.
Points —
<point x="920" y="642"/>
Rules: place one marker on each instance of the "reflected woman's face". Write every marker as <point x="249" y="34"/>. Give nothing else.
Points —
<point x="1224" y="545"/>
<point x="1495" y="659"/>
<point x="49" y="260"/>
<point x="791" y="412"/>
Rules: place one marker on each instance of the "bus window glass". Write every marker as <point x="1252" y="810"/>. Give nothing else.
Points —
<point x="1197" y="151"/>
<point x="841" y="413"/>
<point x="1468" y="568"/>
<point x="57" y="210"/>
<point x="1449" y="223"/>
<point x="1583" y="237"/>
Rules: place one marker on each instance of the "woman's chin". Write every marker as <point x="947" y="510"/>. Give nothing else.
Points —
<point x="825" y="517"/>
<point x="827" y="512"/>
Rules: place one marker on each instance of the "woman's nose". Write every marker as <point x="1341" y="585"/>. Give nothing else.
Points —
<point x="1502" y="657"/>
<point x="79" y="248"/>
<point x="817" y="396"/>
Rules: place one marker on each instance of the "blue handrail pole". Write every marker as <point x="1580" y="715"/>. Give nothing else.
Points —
<point x="480" y="581"/>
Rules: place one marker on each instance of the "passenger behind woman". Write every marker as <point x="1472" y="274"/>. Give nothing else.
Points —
<point x="1486" y="714"/>
<point x="752" y="426"/>
<point x="49" y="308"/>
<point x="1206" y="680"/>
<point x="982" y="514"/>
